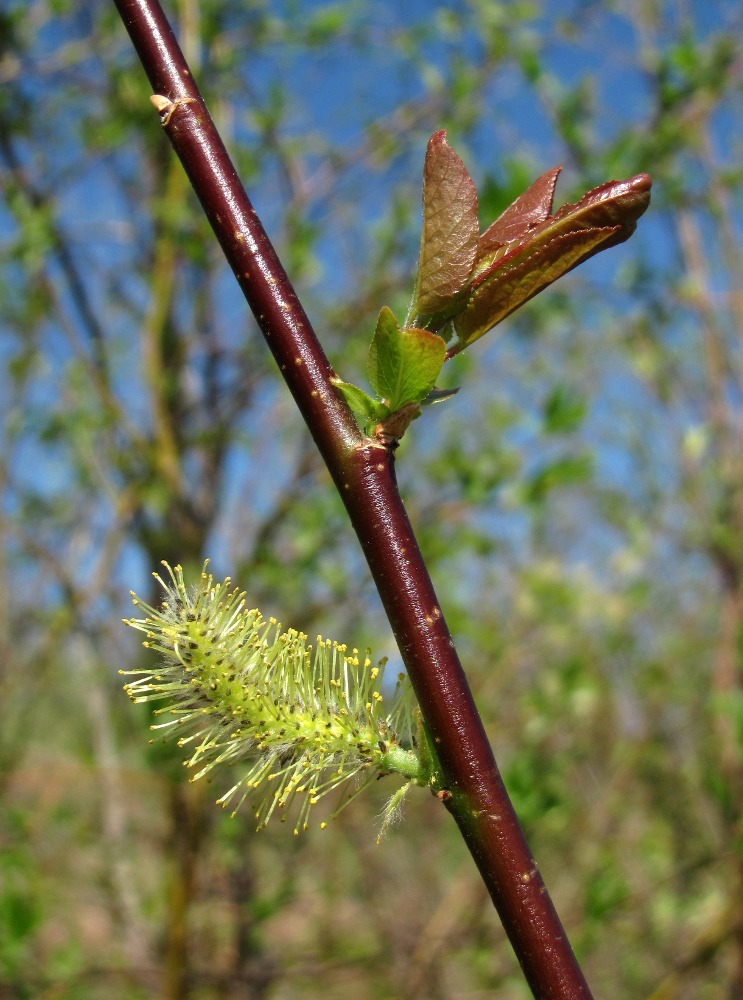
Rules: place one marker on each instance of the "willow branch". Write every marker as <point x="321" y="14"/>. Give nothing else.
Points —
<point x="363" y="472"/>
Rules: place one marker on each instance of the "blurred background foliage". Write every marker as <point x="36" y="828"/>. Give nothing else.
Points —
<point x="580" y="501"/>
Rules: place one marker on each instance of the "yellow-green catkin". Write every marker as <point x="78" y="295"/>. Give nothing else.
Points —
<point x="303" y="720"/>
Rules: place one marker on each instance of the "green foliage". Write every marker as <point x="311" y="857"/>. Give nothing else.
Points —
<point x="568" y="470"/>
<point x="21" y="910"/>
<point x="403" y="364"/>
<point x="403" y="368"/>
<point x="563" y="411"/>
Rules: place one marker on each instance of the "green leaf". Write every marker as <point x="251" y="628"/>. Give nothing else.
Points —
<point x="567" y="471"/>
<point x="366" y="410"/>
<point x="563" y="411"/>
<point x="403" y="364"/>
<point x="450" y="229"/>
<point x="438" y="396"/>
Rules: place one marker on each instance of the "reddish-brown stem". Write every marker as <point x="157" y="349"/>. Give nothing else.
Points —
<point x="363" y="472"/>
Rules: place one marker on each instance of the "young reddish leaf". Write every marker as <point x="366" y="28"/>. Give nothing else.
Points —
<point x="519" y="276"/>
<point x="513" y="273"/>
<point x="403" y="364"/>
<point x="450" y="228"/>
<point x="614" y="203"/>
<point x="525" y="213"/>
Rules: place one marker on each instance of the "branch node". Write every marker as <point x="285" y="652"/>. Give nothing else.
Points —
<point x="165" y="107"/>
